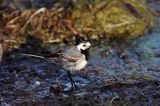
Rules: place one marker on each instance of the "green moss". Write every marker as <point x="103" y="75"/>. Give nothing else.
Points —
<point x="117" y="18"/>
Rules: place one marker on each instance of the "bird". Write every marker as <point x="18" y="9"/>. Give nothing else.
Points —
<point x="71" y="58"/>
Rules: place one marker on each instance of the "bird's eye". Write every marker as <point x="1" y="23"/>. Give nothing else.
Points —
<point x="84" y="45"/>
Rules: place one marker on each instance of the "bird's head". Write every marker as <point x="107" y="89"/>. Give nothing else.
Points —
<point x="83" y="45"/>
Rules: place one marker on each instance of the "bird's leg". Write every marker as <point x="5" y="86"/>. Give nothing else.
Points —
<point x="72" y="82"/>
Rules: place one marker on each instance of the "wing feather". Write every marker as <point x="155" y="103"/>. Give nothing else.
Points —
<point x="69" y="54"/>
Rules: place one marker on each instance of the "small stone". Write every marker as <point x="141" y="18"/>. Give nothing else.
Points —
<point x="37" y="83"/>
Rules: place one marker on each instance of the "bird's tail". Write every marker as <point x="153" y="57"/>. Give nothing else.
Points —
<point x="33" y="55"/>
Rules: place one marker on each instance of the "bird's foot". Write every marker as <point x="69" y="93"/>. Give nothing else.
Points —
<point x="74" y="86"/>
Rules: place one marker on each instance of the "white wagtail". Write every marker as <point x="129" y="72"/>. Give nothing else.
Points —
<point x="71" y="58"/>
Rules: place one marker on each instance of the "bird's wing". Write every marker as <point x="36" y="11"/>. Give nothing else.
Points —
<point x="69" y="58"/>
<point x="61" y="56"/>
<point x="70" y="54"/>
<point x="54" y="56"/>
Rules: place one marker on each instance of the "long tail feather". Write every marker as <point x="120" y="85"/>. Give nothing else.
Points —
<point x="32" y="55"/>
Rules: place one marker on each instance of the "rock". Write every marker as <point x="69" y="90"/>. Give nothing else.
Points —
<point x="113" y="18"/>
<point x="92" y="19"/>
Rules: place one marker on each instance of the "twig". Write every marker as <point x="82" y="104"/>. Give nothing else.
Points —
<point x="41" y="10"/>
<point x="116" y="97"/>
<point x="111" y="26"/>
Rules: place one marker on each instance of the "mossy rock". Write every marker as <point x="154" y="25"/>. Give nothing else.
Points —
<point x="92" y="19"/>
<point x="113" y="18"/>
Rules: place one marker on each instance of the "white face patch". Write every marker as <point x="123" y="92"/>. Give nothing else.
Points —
<point x="83" y="45"/>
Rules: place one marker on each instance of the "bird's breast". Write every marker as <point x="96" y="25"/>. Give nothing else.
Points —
<point x="75" y="66"/>
<point x="80" y="64"/>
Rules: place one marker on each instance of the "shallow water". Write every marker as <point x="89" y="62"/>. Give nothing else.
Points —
<point x="115" y="75"/>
